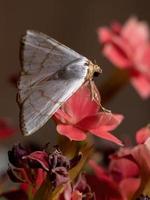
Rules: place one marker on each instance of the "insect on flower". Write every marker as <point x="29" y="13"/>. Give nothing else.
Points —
<point x="51" y="73"/>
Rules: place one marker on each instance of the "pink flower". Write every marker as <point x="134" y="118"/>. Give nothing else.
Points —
<point x="127" y="174"/>
<point x="128" y="47"/>
<point x="103" y="184"/>
<point x="6" y="129"/>
<point x="140" y="155"/>
<point x="80" y="114"/>
<point x="143" y="134"/>
<point x="121" y="178"/>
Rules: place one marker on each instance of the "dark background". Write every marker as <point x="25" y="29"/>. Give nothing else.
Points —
<point x="74" y="23"/>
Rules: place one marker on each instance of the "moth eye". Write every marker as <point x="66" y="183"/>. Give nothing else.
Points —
<point x="96" y="74"/>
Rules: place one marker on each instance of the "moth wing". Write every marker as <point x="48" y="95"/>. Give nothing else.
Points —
<point x="51" y="73"/>
<point x="41" y="51"/>
<point x="41" y="57"/>
<point x="49" y="95"/>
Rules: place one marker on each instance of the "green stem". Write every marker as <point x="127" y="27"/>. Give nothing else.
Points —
<point x="44" y="191"/>
<point x="30" y="194"/>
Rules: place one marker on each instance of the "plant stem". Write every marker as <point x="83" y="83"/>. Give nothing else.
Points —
<point x="44" y="191"/>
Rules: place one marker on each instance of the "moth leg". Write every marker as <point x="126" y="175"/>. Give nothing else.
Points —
<point x="96" y="96"/>
<point x="105" y="109"/>
<point x="94" y="93"/>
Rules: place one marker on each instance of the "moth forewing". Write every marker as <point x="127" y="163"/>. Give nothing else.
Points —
<point x="51" y="73"/>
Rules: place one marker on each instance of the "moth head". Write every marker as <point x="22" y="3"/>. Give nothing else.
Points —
<point x="94" y="70"/>
<point x="97" y="69"/>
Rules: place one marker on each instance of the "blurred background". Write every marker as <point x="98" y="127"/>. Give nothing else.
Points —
<point x="75" y="24"/>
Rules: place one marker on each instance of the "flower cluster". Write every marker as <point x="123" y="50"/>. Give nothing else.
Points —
<point x="80" y="115"/>
<point x="127" y="175"/>
<point x="33" y="167"/>
<point x="128" y="47"/>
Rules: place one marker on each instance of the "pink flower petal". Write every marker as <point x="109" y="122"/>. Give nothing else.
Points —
<point x="103" y="190"/>
<point x="106" y="135"/>
<point x="41" y="176"/>
<point x="104" y="186"/>
<point x="80" y="105"/>
<point x="129" y="186"/>
<point x="111" y="121"/>
<point x="128" y="47"/>
<point x="61" y="117"/>
<point x="116" y="56"/>
<point x="104" y="35"/>
<point x="116" y="27"/>
<point x="71" y="132"/>
<point x="99" y="171"/>
<point x="142" y="85"/>
<point x="142" y="60"/>
<point x="107" y="121"/>
<point x="123" y="168"/>
<point x="90" y="122"/>
<point x="40" y="157"/>
<point x="136" y="33"/>
<point x="140" y="154"/>
<point x="142" y="135"/>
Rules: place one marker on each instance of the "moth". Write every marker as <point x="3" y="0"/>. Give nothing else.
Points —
<point x="50" y="74"/>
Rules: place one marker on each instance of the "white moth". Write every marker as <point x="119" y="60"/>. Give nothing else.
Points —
<point x="51" y="73"/>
